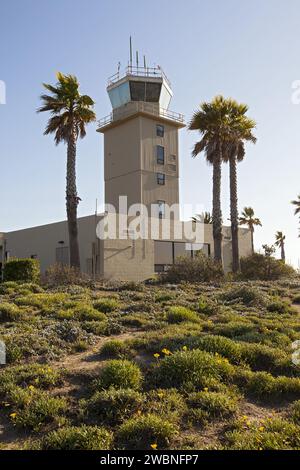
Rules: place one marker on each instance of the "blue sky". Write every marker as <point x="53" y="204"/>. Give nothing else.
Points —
<point x="246" y="50"/>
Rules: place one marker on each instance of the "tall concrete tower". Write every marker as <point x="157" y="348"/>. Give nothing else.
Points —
<point x="141" y="140"/>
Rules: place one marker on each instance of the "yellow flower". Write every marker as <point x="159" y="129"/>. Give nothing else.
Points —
<point x="166" y="352"/>
<point x="261" y="428"/>
<point x="160" y="394"/>
<point x="156" y="355"/>
<point x="154" y="446"/>
<point x="139" y="412"/>
<point x="184" y="348"/>
<point x="31" y="387"/>
<point x="13" y="415"/>
<point x="205" y="389"/>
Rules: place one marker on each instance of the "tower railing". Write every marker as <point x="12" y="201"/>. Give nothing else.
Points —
<point x="149" y="72"/>
<point x="139" y="106"/>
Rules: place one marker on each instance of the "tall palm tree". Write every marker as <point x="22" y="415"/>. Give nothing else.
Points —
<point x="70" y="112"/>
<point x="211" y="122"/>
<point x="280" y="243"/>
<point x="248" y="218"/>
<point x="240" y="129"/>
<point x="203" y="218"/>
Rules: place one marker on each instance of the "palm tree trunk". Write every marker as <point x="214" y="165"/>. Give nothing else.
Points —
<point x="234" y="215"/>
<point x="217" y="212"/>
<point x="72" y="202"/>
<point x="252" y="239"/>
<point x="282" y="252"/>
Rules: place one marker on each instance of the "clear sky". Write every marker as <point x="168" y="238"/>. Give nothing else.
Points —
<point x="247" y="50"/>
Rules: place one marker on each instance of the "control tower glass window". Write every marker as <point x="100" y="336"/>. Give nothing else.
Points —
<point x="160" y="130"/>
<point x="160" y="154"/>
<point x="161" y="178"/>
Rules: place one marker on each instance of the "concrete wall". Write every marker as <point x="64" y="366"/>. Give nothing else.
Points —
<point x="42" y="242"/>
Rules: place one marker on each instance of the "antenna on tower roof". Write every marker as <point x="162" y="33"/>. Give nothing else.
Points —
<point x="137" y="59"/>
<point x="145" y="62"/>
<point x="130" y="47"/>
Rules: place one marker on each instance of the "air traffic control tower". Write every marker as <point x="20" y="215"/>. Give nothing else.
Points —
<point x="141" y="158"/>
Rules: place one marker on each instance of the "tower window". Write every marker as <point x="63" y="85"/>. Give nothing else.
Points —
<point x="160" y="154"/>
<point x="161" y="178"/>
<point x="160" y="130"/>
<point x="161" y="206"/>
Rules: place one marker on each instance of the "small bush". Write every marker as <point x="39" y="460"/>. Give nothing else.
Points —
<point x="198" y="269"/>
<point x="214" y="404"/>
<point x="141" y="432"/>
<point x="264" y="386"/>
<point x="81" y="312"/>
<point x="168" y="404"/>
<point x="115" y="348"/>
<point x="181" y="314"/>
<point x="245" y="294"/>
<point x="295" y="412"/>
<point x="106" y="305"/>
<point x="120" y="374"/>
<point x="271" y="434"/>
<point x="113" y="406"/>
<point x="77" y="438"/>
<point x="191" y="369"/>
<point x="258" y="266"/>
<point x="296" y="299"/>
<point x="63" y="275"/>
<point x="10" y="312"/>
<point x="220" y="345"/>
<point x="279" y="306"/>
<point x="37" y="375"/>
<point x="36" y="408"/>
<point x="25" y="270"/>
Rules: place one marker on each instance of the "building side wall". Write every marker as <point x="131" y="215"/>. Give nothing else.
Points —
<point x="43" y="241"/>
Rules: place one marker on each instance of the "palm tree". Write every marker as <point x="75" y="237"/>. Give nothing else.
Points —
<point x="70" y="112"/>
<point x="280" y="242"/>
<point x="248" y="218"/>
<point x="240" y="129"/>
<point x="203" y="218"/>
<point x="297" y="204"/>
<point x="211" y="122"/>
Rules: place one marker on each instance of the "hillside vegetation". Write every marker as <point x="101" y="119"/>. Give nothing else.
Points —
<point x="190" y="366"/>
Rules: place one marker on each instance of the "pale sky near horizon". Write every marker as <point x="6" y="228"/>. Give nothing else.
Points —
<point x="247" y="50"/>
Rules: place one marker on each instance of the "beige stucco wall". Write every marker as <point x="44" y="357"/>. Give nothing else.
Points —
<point x="42" y="241"/>
<point x="130" y="164"/>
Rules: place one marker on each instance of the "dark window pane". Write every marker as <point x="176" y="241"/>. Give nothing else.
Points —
<point x="160" y="130"/>
<point x="160" y="178"/>
<point x="160" y="154"/>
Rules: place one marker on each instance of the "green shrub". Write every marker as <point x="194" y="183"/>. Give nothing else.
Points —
<point x="10" y="312"/>
<point x="264" y="386"/>
<point x="191" y="369"/>
<point x="77" y="438"/>
<point x="221" y="345"/>
<point x="207" y="306"/>
<point x="234" y="329"/>
<point x="63" y="275"/>
<point x="25" y="270"/>
<point x="115" y="348"/>
<point x="36" y="408"/>
<point x="295" y="412"/>
<point x="82" y="312"/>
<point x="262" y="357"/>
<point x="167" y="403"/>
<point x="246" y="294"/>
<point x="213" y="404"/>
<point x="141" y="432"/>
<point x="181" y="314"/>
<point x="201" y="268"/>
<point x="272" y="434"/>
<point x="46" y="302"/>
<point x="37" y="375"/>
<point x="120" y="374"/>
<point x="113" y="406"/>
<point x="258" y="266"/>
<point x="105" y="305"/>
<point x="279" y="306"/>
